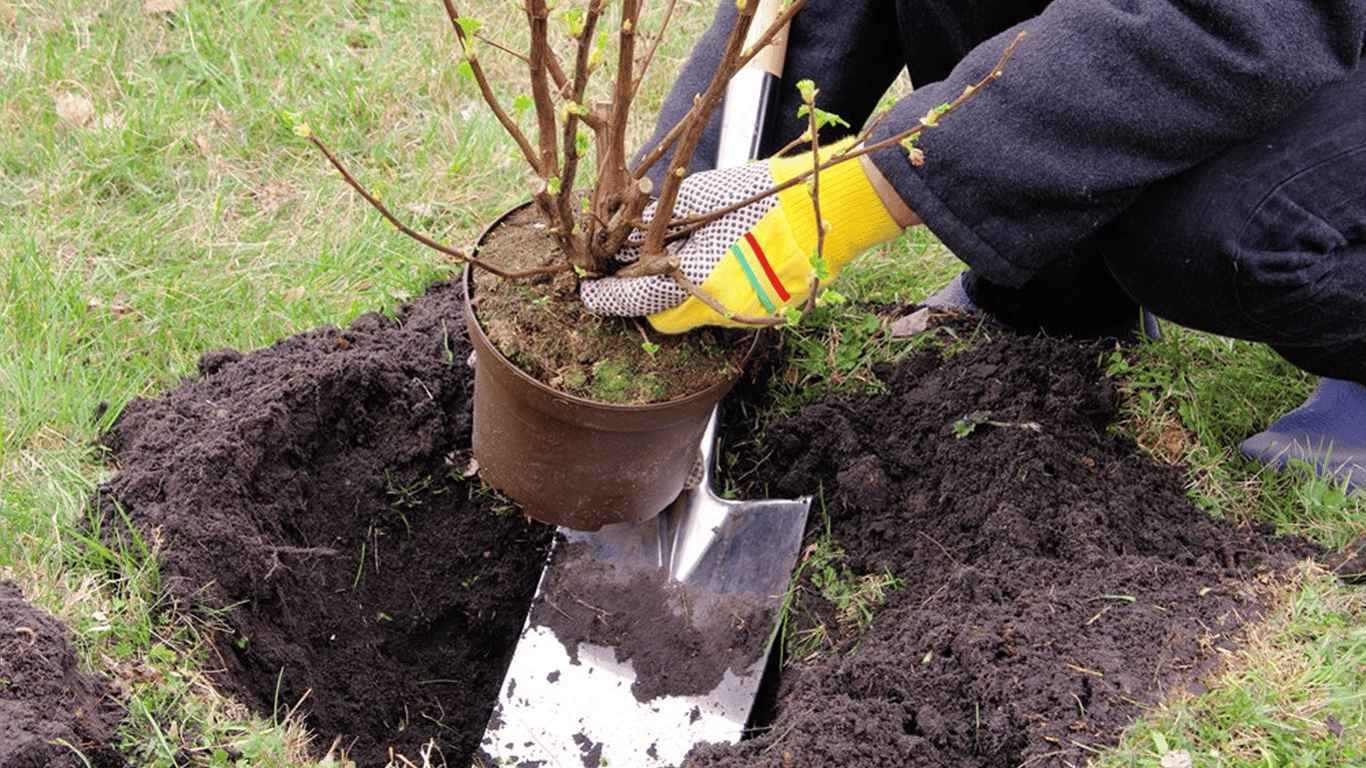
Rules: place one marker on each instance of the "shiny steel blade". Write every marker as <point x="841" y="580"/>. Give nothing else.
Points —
<point x="646" y="639"/>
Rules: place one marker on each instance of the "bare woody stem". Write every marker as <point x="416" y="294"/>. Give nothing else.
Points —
<point x="694" y="289"/>
<point x="622" y="93"/>
<point x="421" y="238"/>
<point x="538" y="22"/>
<point x="706" y="104"/>
<point x="562" y="215"/>
<point x="486" y="90"/>
<point x="617" y="199"/>
<point x="695" y="115"/>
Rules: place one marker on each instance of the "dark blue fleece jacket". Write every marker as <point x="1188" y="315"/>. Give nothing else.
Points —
<point x="1101" y="99"/>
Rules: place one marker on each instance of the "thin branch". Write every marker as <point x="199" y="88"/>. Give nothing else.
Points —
<point x="556" y="72"/>
<point x="694" y="114"/>
<point x="767" y="37"/>
<point x="654" y="46"/>
<point x="683" y="227"/>
<point x="693" y="289"/>
<point x="421" y="238"/>
<point x="687" y="142"/>
<point x="500" y="47"/>
<point x="813" y="128"/>
<point x="486" y="90"/>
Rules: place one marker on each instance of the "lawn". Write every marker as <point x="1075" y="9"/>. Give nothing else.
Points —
<point x="158" y="204"/>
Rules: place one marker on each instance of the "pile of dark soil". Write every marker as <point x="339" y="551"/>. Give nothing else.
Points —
<point x="1053" y="580"/>
<point x="51" y="714"/>
<point x="318" y="488"/>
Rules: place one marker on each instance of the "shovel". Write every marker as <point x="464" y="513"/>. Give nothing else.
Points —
<point x="646" y="639"/>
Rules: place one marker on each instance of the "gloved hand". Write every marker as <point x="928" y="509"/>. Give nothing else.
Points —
<point x="755" y="261"/>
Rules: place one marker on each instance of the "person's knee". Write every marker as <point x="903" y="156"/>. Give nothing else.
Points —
<point x="1174" y="255"/>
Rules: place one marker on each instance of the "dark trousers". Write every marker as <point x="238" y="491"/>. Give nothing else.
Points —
<point x="1266" y="241"/>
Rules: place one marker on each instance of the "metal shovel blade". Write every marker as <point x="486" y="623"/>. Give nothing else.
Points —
<point x="645" y="639"/>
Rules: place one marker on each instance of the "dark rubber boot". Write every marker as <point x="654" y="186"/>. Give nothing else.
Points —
<point x="1328" y="433"/>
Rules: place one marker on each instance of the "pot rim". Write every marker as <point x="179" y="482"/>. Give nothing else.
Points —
<point x="467" y="284"/>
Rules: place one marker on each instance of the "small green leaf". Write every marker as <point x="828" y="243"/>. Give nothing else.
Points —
<point x="820" y="266"/>
<point x="832" y="297"/>
<point x="823" y="118"/>
<point x="465" y="70"/>
<point x="931" y="118"/>
<point x="553" y="185"/>
<point x="830" y="118"/>
<point x="650" y="347"/>
<point x="469" y="26"/>
<point x="574" y="18"/>
<point x="1159" y="741"/>
<point x="522" y="102"/>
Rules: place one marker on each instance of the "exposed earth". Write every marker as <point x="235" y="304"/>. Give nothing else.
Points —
<point x="316" y="497"/>
<point x="51" y="713"/>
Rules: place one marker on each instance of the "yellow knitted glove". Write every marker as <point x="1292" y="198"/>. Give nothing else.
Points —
<point x="755" y="261"/>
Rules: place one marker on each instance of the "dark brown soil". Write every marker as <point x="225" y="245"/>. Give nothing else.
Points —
<point x="542" y="326"/>
<point x="318" y="488"/>
<point x="1053" y="580"/>
<point x="51" y="714"/>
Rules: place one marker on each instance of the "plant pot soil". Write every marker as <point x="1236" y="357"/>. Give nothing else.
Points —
<point x="541" y="324"/>
<point x="318" y="486"/>
<point x="543" y="433"/>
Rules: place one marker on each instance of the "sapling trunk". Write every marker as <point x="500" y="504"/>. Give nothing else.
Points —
<point x="590" y="227"/>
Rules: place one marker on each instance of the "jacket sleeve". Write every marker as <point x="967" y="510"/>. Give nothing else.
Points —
<point x="850" y="48"/>
<point x="1100" y="100"/>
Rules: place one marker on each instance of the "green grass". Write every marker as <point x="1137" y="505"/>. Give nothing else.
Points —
<point x="1296" y="696"/>
<point x="155" y="204"/>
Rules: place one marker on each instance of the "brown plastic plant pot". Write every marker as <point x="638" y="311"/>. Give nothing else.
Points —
<point x="574" y="462"/>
